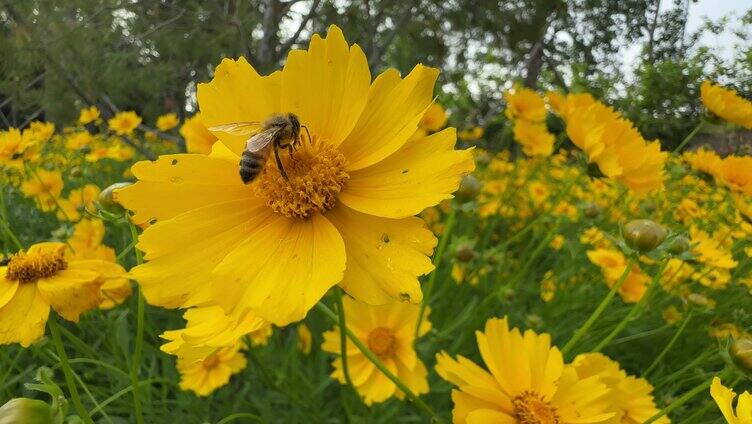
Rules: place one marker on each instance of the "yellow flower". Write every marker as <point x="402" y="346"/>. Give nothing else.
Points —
<point x="207" y="331"/>
<point x="88" y="115"/>
<point x="703" y="160"/>
<point x="45" y="185"/>
<point x="672" y="315"/>
<point x="528" y="382"/>
<point x="124" y="123"/>
<point x="726" y="104"/>
<point x="305" y="339"/>
<point x="198" y="139"/>
<point x="212" y="372"/>
<point x="557" y="242"/>
<point x="434" y="119"/>
<point x="524" y="104"/>
<point x="548" y="286"/>
<point x="613" y="263"/>
<point x="78" y="140"/>
<point x="11" y="146"/>
<point x="41" y="278"/>
<point x="709" y="251"/>
<point x="735" y="172"/>
<point x="261" y="335"/>
<point x="78" y="201"/>
<point x="631" y="398"/>
<point x="41" y="131"/>
<point x="276" y="246"/>
<point x="724" y="398"/>
<point x="167" y="122"/>
<point x="534" y="138"/>
<point x="470" y="135"/>
<point x="389" y="332"/>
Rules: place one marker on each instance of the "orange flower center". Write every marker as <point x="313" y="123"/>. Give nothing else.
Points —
<point x="316" y="173"/>
<point x="381" y="341"/>
<point x="210" y="361"/>
<point x="27" y="268"/>
<point x="531" y="408"/>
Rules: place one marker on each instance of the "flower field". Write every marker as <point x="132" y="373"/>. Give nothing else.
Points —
<point x="378" y="265"/>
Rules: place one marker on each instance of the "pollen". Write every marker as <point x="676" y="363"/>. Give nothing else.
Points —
<point x="28" y="268"/>
<point x="531" y="408"/>
<point x="381" y="341"/>
<point x="316" y="173"/>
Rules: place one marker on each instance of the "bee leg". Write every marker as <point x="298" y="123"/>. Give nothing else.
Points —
<point x="279" y="163"/>
<point x="307" y="133"/>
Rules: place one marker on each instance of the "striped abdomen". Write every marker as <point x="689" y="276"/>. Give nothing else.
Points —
<point x="251" y="164"/>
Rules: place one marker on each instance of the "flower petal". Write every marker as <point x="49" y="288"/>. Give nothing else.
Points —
<point x="7" y="288"/>
<point x="394" y="109"/>
<point x="327" y="85"/>
<point x="72" y="292"/>
<point x="22" y="320"/>
<point x="237" y="93"/>
<point x="384" y="256"/>
<point x="282" y="268"/>
<point x="421" y="174"/>
<point x="177" y="183"/>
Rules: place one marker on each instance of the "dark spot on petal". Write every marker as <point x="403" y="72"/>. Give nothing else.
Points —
<point x="404" y="297"/>
<point x="174" y="161"/>
<point x="152" y="221"/>
<point x="385" y="238"/>
<point x="404" y="171"/>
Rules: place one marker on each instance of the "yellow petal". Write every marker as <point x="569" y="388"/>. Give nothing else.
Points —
<point x="72" y="292"/>
<point x="22" y="320"/>
<point x="384" y="256"/>
<point x="724" y="397"/>
<point x="489" y="416"/>
<point x="282" y="268"/>
<point x="237" y="93"/>
<point x="177" y="183"/>
<point x="421" y="174"/>
<point x="327" y="85"/>
<point x="7" y="288"/>
<point x="394" y="109"/>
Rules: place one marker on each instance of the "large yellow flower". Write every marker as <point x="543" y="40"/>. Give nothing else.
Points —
<point x="726" y="104"/>
<point x="389" y="332"/>
<point x="631" y="398"/>
<point x="198" y="139"/>
<point x="42" y="278"/>
<point x="276" y="246"/>
<point x="724" y="397"/>
<point x="528" y="382"/>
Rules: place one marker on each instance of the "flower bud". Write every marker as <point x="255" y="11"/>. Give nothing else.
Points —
<point x="741" y="354"/>
<point x="482" y="158"/>
<point x="678" y="245"/>
<point x="465" y="253"/>
<point x="644" y="235"/>
<point x="592" y="210"/>
<point x="107" y="199"/>
<point x="27" y="411"/>
<point x="469" y="188"/>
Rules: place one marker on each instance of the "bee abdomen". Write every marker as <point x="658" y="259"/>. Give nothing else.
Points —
<point x="251" y="165"/>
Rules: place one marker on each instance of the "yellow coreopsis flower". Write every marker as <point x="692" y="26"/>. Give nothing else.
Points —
<point x="212" y="372"/>
<point x="613" y="263"/>
<point x="167" y="122"/>
<point x="524" y="104"/>
<point x="40" y="131"/>
<point x="78" y="140"/>
<point x="527" y="383"/>
<point x="631" y="398"/>
<point x="11" y="146"/>
<point x="434" y="119"/>
<point x="305" y="339"/>
<point x="42" y="278"/>
<point x="124" y="123"/>
<point x="277" y="245"/>
<point x="703" y="160"/>
<point x="727" y="104"/>
<point x="724" y="398"/>
<point x="389" y="332"/>
<point x="534" y="138"/>
<point x="78" y="201"/>
<point x="45" y="186"/>
<point x="198" y="139"/>
<point x="470" y="135"/>
<point x="88" y="115"/>
<point x="735" y="172"/>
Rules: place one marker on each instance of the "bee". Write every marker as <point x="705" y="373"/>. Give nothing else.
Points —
<point x="280" y="131"/>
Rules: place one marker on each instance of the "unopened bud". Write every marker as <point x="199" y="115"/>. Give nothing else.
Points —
<point x="644" y="235"/>
<point x="592" y="210"/>
<point x="678" y="245"/>
<point x="741" y="354"/>
<point x="469" y="188"/>
<point x="482" y="158"/>
<point x="26" y="411"/>
<point x="465" y="253"/>
<point x="108" y="201"/>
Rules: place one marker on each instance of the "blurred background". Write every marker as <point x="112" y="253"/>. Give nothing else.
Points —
<point x="644" y="57"/>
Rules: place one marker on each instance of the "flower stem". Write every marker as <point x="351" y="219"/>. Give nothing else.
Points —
<point x="380" y="365"/>
<point x="636" y="309"/>
<point x="343" y="337"/>
<point x="448" y="226"/>
<point x="597" y="312"/>
<point x="67" y="372"/>
<point x="668" y="347"/>
<point x="682" y="399"/>
<point x="689" y="136"/>
<point x="139" y="344"/>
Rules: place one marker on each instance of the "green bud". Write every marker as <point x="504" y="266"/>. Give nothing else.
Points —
<point x="26" y="411"/>
<point x="592" y="210"/>
<point x="644" y="235"/>
<point x="678" y="245"/>
<point x="108" y="200"/>
<point x="469" y="188"/>
<point x="482" y="158"/>
<point x="741" y="354"/>
<point x="465" y="253"/>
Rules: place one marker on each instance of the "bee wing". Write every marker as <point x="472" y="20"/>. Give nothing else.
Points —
<point x="241" y="129"/>
<point x="261" y="140"/>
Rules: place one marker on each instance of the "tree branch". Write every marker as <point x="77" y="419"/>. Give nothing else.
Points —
<point x="285" y="47"/>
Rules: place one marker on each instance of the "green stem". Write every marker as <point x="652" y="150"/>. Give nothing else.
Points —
<point x="343" y="337"/>
<point x="380" y="365"/>
<point x="67" y="372"/>
<point x="448" y="226"/>
<point x="670" y="344"/>
<point x="636" y="309"/>
<point x="138" y="349"/>
<point x="689" y="137"/>
<point x="585" y="327"/>
<point x="682" y="399"/>
<point x="10" y="234"/>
